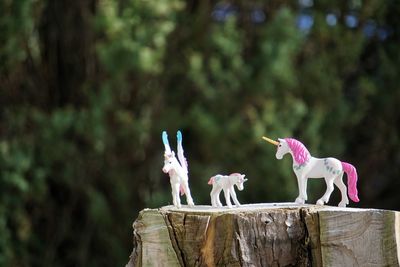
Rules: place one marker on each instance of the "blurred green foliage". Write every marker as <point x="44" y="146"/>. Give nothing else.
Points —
<point x="87" y="87"/>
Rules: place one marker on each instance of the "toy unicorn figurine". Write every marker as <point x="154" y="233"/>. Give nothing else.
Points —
<point x="305" y="166"/>
<point x="178" y="172"/>
<point x="226" y="183"/>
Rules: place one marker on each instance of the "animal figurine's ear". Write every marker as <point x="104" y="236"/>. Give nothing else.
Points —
<point x="281" y="140"/>
<point x="166" y="143"/>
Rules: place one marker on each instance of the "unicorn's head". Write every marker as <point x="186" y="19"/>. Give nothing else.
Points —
<point x="298" y="150"/>
<point x="283" y="148"/>
<point x="169" y="159"/>
<point x="239" y="180"/>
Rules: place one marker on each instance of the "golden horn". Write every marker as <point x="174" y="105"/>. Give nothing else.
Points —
<point x="270" y="141"/>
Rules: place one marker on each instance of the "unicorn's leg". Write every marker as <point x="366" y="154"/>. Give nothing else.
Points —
<point x="189" y="198"/>
<point x="214" y="195"/>
<point x="219" y="204"/>
<point x="228" y="197"/>
<point x="303" y="192"/>
<point x="302" y="184"/>
<point x="215" y="201"/>
<point x="175" y="195"/>
<point x="233" y="194"/>
<point x="343" y="190"/>
<point x="329" y="189"/>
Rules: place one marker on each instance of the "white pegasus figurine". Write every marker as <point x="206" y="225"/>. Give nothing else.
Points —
<point x="226" y="183"/>
<point x="178" y="171"/>
<point x="305" y="166"/>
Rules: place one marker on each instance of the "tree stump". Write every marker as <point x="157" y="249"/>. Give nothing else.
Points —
<point x="281" y="234"/>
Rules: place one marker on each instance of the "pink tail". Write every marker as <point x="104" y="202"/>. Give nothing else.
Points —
<point x="211" y="181"/>
<point x="182" y="190"/>
<point x="351" y="181"/>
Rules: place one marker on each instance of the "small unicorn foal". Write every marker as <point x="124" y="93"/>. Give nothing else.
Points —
<point x="226" y="183"/>
<point x="178" y="172"/>
<point x="305" y="166"/>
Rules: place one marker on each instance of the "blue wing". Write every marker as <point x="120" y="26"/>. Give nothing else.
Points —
<point x="165" y="138"/>
<point x="179" y="136"/>
<point x="165" y="141"/>
<point x="181" y="157"/>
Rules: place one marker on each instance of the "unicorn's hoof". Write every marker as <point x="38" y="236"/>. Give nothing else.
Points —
<point x="320" y="202"/>
<point x="300" y="201"/>
<point x="191" y="204"/>
<point x="342" y="204"/>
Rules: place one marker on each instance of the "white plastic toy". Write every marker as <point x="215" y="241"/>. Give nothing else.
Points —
<point x="226" y="183"/>
<point x="178" y="171"/>
<point x="305" y="166"/>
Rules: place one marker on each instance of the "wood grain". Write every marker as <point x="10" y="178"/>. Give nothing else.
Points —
<point x="282" y="234"/>
<point x="362" y="238"/>
<point x="153" y="245"/>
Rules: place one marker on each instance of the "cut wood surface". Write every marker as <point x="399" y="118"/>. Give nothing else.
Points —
<point x="271" y="234"/>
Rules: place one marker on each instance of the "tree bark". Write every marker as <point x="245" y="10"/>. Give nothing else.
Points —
<point x="282" y="234"/>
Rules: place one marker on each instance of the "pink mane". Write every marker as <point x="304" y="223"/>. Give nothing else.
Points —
<point x="300" y="152"/>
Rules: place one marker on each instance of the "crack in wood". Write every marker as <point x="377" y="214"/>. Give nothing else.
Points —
<point x="174" y="239"/>
<point x="278" y="236"/>
<point x="208" y="247"/>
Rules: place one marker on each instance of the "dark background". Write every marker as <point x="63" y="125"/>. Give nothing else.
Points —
<point x="87" y="87"/>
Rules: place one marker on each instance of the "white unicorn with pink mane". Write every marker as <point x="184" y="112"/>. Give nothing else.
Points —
<point x="178" y="171"/>
<point x="305" y="166"/>
<point x="226" y="183"/>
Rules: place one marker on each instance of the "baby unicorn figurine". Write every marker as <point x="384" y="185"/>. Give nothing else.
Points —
<point x="178" y="172"/>
<point x="305" y="166"/>
<point x="226" y="183"/>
